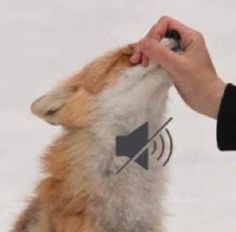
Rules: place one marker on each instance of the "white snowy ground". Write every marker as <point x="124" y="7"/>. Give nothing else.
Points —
<point x="41" y="41"/>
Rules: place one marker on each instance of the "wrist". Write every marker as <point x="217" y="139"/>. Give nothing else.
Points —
<point x="215" y="94"/>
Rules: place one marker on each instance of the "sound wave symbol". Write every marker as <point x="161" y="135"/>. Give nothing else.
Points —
<point x="163" y="147"/>
<point x="136" y="144"/>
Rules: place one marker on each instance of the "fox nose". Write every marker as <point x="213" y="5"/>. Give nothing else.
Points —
<point x="175" y="35"/>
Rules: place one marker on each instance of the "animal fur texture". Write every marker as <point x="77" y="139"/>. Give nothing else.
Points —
<point x="81" y="191"/>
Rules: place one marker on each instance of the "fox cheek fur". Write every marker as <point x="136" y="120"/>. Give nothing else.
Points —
<point x="81" y="191"/>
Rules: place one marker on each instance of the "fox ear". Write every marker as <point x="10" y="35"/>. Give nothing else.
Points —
<point x="48" y="106"/>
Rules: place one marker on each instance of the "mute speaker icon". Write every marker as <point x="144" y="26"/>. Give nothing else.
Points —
<point x="135" y="145"/>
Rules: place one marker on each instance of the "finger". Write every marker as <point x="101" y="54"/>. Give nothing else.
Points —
<point x="144" y="60"/>
<point x="151" y="31"/>
<point x="156" y="33"/>
<point x="136" y="58"/>
<point x="185" y="32"/>
<point x="167" y="23"/>
<point x="162" y="55"/>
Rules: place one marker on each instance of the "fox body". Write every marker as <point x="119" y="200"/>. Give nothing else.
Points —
<point x="82" y="191"/>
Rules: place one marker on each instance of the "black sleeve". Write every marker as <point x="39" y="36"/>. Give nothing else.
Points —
<point x="226" y="121"/>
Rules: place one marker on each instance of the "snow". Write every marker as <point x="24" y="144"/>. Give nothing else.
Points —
<point x="43" y="41"/>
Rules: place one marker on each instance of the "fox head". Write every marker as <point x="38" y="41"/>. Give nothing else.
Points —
<point x="109" y="87"/>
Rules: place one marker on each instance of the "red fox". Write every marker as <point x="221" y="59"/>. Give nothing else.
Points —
<point x="82" y="191"/>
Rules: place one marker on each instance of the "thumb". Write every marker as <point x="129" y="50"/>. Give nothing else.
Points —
<point x="159" y="53"/>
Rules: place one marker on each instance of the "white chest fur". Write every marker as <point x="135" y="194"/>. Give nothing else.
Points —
<point x="131" y="200"/>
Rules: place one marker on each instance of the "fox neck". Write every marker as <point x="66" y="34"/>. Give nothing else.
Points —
<point x="137" y="195"/>
<point x="139" y="96"/>
<point x="130" y="200"/>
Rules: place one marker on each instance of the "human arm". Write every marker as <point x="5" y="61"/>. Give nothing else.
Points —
<point x="194" y="76"/>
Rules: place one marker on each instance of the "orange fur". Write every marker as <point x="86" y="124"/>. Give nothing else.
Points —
<point x="102" y="71"/>
<point x="67" y="197"/>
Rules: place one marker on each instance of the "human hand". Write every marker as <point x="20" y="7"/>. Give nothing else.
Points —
<point x="192" y="71"/>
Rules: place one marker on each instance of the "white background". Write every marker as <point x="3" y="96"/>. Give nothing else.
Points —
<point x="42" y="41"/>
